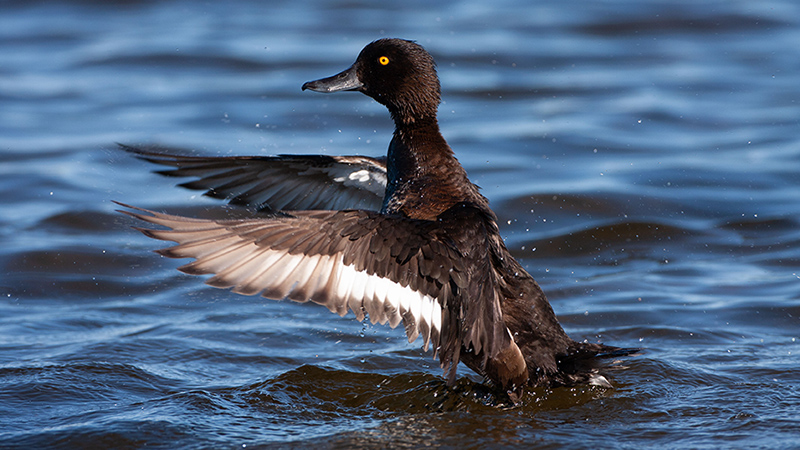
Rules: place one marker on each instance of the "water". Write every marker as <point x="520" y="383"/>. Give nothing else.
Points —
<point x="642" y="156"/>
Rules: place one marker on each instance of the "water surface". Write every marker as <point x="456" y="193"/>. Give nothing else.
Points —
<point x="643" y="158"/>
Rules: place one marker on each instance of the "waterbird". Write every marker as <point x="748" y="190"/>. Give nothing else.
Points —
<point x="405" y="238"/>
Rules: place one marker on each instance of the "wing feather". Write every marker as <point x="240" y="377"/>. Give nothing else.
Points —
<point x="292" y="257"/>
<point x="284" y="182"/>
<point x="430" y="277"/>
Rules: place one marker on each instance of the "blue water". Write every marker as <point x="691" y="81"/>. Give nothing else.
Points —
<point x="643" y="158"/>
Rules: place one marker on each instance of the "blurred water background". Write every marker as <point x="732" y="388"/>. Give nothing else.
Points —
<point x="643" y="157"/>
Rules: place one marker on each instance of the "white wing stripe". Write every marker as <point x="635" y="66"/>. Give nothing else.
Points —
<point x="221" y="258"/>
<point x="350" y="176"/>
<point x="252" y="282"/>
<point x="250" y="270"/>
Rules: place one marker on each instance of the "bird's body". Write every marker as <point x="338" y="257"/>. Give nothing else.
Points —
<point x="408" y="238"/>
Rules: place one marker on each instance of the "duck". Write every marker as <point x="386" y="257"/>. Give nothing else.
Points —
<point x="406" y="238"/>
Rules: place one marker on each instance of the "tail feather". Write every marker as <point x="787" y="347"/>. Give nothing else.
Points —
<point x="584" y="362"/>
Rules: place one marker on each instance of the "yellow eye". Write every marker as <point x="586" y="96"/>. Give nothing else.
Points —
<point x="383" y="60"/>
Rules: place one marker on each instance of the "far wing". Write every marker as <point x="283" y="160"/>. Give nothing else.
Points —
<point x="284" y="182"/>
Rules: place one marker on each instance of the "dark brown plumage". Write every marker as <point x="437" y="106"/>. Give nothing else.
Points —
<point x="430" y="256"/>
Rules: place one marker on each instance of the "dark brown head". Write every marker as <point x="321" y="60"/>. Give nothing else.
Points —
<point x="397" y="73"/>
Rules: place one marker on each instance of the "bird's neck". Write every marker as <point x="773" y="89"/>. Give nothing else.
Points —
<point x="424" y="177"/>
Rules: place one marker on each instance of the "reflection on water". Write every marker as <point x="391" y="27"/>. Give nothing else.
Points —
<point x="642" y="158"/>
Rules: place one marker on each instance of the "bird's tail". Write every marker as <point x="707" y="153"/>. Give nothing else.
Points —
<point x="584" y="363"/>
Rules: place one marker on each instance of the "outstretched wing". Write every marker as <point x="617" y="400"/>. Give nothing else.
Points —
<point x="392" y="268"/>
<point x="284" y="182"/>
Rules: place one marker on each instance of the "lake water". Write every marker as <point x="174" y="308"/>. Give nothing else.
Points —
<point x="643" y="157"/>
